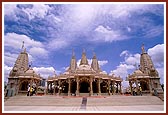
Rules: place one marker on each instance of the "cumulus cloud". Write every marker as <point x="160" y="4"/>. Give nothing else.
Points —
<point x="59" y="43"/>
<point x="7" y="70"/>
<point x="10" y="58"/>
<point x="157" y="54"/>
<point x="107" y="34"/>
<point x="37" y="11"/>
<point x="45" y="72"/>
<point x="38" y="52"/>
<point x="15" y="41"/>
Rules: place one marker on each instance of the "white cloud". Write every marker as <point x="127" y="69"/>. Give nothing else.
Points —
<point x="124" y="53"/>
<point x="102" y="62"/>
<point x="38" y="52"/>
<point x="45" y="71"/>
<point x="38" y="10"/>
<point x="58" y="44"/>
<point x="161" y="74"/>
<point x="107" y="34"/>
<point x="122" y="70"/>
<point x="15" y="41"/>
<point x="7" y="70"/>
<point x="133" y="59"/>
<point x="10" y="58"/>
<point x="10" y="10"/>
<point x="157" y="54"/>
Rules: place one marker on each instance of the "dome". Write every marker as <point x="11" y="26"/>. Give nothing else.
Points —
<point x="138" y="72"/>
<point x="84" y="67"/>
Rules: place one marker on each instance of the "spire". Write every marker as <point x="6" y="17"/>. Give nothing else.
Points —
<point x="146" y="63"/>
<point x="84" y="60"/>
<point x="95" y="64"/>
<point x="94" y="55"/>
<point x="73" y="63"/>
<point x="73" y="53"/>
<point x="143" y="49"/>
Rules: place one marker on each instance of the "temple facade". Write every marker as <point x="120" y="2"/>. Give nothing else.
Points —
<point x="85" y="79"/>
<point x="146" y="76"/>
<point x="21" y="76"/>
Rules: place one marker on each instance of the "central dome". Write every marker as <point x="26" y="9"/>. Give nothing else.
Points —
<point x="84" y="67"/>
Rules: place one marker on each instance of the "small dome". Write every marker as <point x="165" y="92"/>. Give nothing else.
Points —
<point x="30" y="71"/>
<point x="138" y="72"/>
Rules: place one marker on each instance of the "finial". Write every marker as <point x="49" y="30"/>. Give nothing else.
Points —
<point x="83" y="50"/>
<point x="143" y="49"/>
<point x="73" y="53"/>
<point x="22" y="45"/>
<point x="25" y="50"/>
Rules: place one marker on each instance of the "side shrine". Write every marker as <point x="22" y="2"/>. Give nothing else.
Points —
<point x="146" y="76"/>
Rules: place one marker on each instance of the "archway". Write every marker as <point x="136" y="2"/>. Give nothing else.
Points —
<point x="84" y="87"/>
<point x="144" y="85"/>
<point x="65" y="87"/>
<point x="95" y="86"/>
<point x="104" y="87"/>
<point x="73" y="87"/>
<point x="24" y="86"/>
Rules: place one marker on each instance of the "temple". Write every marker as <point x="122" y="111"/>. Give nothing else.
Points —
<point x="84" y="79"/>
<point x="21" y="75"/>
<point x="146" y="76"/>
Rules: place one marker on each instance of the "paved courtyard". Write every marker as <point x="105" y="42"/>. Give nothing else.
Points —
<point x="116" y="103"/>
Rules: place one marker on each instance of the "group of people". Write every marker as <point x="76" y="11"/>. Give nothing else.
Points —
<point x="31" y="90"/>
<point x="135" y="91"/>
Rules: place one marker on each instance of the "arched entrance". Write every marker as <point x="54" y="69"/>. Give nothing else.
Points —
<point x="64" y="87"/>
<point x="95" y="86"/>
<point x="104" y="87"/>
<point x="24" y="86"/>
<point x="73" y="87"/>
<point x="144" y="85"/>
<point x="84" y="86"/>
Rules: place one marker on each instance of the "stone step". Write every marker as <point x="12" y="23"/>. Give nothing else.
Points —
<point x="52" y="100"/>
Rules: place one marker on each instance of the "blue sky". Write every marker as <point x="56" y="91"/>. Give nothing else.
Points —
<point x="115" y="32"/>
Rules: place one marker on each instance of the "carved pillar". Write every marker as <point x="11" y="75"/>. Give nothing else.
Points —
<point x="150" y="84"/>
<point x="77" y="90"/>
<point x="130" y="83"/>
<point x="59" y="84"/>
<point x="91" y="88"/>
<point x="137" y="86"/>
<point x="47" y="87"/>
<point x="69" y="88"/>
<point x="99" y="90"/>
<point x="113" y="83"/>
<point x="120" y="87"/>
<point x="54" y="87"/>
<point x="117" y="87"/>
<point x="109" y="87"/>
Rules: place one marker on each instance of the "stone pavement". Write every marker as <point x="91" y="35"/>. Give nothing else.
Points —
<point x="52" y="103"/>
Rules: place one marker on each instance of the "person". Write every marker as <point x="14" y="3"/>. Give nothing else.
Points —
<point x="28" y="90"/>
<point x="155" y="92"/>
<point x="31" y="91"/>
<point x="140" y="90"/>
